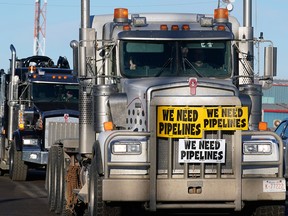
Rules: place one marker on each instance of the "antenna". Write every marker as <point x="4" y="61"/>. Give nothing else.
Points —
<point x="39" y="28"/>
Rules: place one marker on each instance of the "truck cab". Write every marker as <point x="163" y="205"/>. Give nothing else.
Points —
<point x="38" y="97"/>
<point x="175" y="113"/>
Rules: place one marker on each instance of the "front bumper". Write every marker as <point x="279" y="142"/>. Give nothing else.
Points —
<point x="184" y="193"/>
<point x="36" y="156"/>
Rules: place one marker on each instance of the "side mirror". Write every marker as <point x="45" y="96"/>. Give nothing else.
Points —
<point x="270" y="67"/>
<point x="270" y="62"/>
<point x="74" y="45"/>
<point x="13" y="89"/>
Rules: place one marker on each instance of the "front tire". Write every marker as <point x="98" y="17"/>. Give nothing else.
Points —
<point x="17" y="168"/>
<point x="67" y="181"/>
<point x="96" y="206"/>
<point x="51" y="179"/>
<point x="60" y="195"/>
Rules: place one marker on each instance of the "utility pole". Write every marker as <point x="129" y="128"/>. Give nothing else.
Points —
<point x="39" y="28"/>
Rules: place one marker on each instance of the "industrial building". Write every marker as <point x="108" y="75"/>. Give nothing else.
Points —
<point x="275" y="103"/>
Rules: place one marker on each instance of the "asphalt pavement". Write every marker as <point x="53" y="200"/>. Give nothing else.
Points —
<point x="24" y="198"/>
<point x="29" y="198"/>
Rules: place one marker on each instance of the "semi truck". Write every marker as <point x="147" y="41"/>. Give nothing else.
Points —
<point x="39" y="105"/>
<point x="170" y="118"/>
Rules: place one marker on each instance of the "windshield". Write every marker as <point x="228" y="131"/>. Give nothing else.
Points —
<point x="45" y="92"/>
<point x="175" y="58"/>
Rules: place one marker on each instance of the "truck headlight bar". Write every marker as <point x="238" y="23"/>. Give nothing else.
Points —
<point x="133" y="147"/>
<point x="257" y="148"/>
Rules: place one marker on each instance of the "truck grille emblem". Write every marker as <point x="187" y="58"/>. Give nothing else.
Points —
<point x="193" y="85"/>
<point x="66" y="118"/>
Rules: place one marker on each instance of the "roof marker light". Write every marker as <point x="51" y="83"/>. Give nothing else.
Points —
<point x="120" y="15"/>
<point x="174" y="27"/>
<point x="221" y="28"/>
<point x="164" y="27"/>
<point x="185" y="27"/>
<point x="221" y="15"/>
<point x="126" y="28"/>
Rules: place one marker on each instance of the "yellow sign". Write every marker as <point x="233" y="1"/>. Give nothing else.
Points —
<point x="190" y="122"/>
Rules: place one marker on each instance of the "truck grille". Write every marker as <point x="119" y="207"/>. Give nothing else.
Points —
<point x="169" y="160"/>
<point x="60" y="130"/>
<point x="208" y="95"/>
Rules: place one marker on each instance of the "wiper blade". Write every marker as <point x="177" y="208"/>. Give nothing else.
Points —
<point x="164" y="66"/>
<point x="185" y="60"/>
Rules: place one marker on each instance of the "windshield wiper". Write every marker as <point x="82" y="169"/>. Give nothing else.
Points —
<point x="164" y="67"/>
<point x="185" y="60"/>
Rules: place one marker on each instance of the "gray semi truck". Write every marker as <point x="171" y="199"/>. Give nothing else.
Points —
<point x="169" y="115"/>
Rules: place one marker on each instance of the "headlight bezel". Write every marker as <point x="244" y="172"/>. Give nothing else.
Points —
<point x="257" y="148"/>
<point x="126" y="148"/>
<point x="31" y="142"/>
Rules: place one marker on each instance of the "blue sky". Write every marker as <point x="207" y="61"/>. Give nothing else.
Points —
<point x="63" y="21"/>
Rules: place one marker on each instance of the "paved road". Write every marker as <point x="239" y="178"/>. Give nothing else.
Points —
<point x="24" y="198"/>
<point x="29" y="198"/>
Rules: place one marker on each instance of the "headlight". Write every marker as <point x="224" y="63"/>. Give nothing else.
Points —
<point x="257" y="148"/>
<point x="126" y="148"/>
<point x="30" y="141"/>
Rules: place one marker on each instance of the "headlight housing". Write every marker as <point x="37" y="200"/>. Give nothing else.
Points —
<point x="30" y="141"/>
<point x="127" y="147"/>
<point x="257" y="147"/>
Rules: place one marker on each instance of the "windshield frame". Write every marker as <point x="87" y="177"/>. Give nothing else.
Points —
<point x="179" y="49"/>
<point x="47" y="92"/>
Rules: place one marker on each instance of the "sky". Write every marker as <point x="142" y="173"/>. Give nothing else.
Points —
<point x="63" y="22"/>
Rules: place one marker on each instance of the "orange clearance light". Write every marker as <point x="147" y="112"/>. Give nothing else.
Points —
<point x="221" y="15"/>
<point x="263" y="126"/>
<point x="21" y="126"/>
<point x="32" y="69"/>
<point x="185" y="27"/>
<point x="120" y="15"/>
<point x="108" y="126"/>
<point x="221" y="28"/>
<point x="174" y="27"/>
<point x="163" y="27"/>
<point x="126" y="28"/>
<point x="34" y="76"/>
<point x="53" y="77"/>
<point x="65" y="77"/>
<point x="59" y="77"/>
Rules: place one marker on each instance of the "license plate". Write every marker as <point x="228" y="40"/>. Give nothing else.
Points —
<point x="274" y="186"/>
